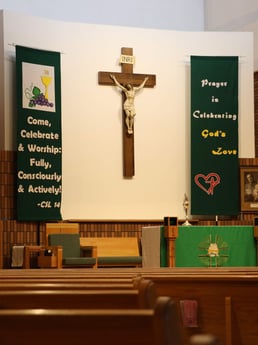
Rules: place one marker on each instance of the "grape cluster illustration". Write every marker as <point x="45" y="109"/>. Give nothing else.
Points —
<point x="38" y="98"/>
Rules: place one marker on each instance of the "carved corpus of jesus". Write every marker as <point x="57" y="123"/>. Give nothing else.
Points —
<point x="136" y="82"/>
<point x="129" y="108"/>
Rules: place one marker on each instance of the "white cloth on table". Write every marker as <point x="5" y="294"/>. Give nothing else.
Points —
<point x="17" y="256"/>
<point x="150" y="246"/>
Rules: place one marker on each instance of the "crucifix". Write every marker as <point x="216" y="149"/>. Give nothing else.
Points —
<point x="129" y="83"/>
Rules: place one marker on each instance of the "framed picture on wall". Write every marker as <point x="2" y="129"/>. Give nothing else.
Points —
<point x="249" y="188"/>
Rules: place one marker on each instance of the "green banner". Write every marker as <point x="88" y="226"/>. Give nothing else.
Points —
<point x="39" y="145"/>
<point x="214" y="136"/>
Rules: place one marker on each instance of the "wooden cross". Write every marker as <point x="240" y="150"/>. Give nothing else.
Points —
<point x="127" y="77"/>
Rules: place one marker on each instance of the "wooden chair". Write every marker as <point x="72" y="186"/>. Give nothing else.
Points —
<point x="73" y="254"/>
<point x="61" y="228"/>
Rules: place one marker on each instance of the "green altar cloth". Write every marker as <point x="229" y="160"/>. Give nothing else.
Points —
<point x="211" y="246"/>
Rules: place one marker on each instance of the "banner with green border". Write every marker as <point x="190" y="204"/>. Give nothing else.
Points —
<point x="39" y="144"/>
<point x="214" y="135"/>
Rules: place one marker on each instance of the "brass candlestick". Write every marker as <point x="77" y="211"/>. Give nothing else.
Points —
<point x="186" y="206"/>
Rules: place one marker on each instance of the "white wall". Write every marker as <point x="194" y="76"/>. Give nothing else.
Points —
<point x="165" y="14"/>
<point x="230" y="14"/>
<point x="233" y="15"/>
<point x="182" y="15"/>
<point x="93" y="186"/>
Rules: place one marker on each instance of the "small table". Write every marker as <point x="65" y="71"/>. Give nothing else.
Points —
<point x="28" y="250"/>
<point x="47" y="261"/>
<point x="52" y="260"/>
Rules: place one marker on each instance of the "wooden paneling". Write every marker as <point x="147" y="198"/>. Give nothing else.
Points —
<point x="7" y="185"/>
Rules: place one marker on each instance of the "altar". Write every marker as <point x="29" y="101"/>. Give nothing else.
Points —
<point x="201" y="246"/>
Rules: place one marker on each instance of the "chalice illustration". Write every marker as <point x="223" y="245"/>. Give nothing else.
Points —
<point x="46" y="80"/>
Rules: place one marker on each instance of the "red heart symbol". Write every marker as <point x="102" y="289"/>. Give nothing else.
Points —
<point x="212" y="179"/>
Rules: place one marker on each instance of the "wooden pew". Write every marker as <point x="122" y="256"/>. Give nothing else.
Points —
<point x="134" y="281"/>
<point x="76" y="274"/>
<point x="227" y="300"/>
<point x="40" y="282"/>
<point x="145" y="286"/>
<point x="156" y="326"/>
<point x="92" y="297"/>
<point x="115" y="272"/>
<point x="6" y="286"/>
<point x="115" y="251"/>
<point x="67" y="274"/>
<point x="227" y="297"/>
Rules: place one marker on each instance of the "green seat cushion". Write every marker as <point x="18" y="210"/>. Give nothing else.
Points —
<point x="79" y="261"/>
<point x="119" y="260"/>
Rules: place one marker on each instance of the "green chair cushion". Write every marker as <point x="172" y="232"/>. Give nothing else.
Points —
<point x="119" y="260"/>
<point x="79" y="261"/>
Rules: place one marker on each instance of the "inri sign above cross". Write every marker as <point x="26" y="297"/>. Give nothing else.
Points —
<point x="129" y="83"/>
